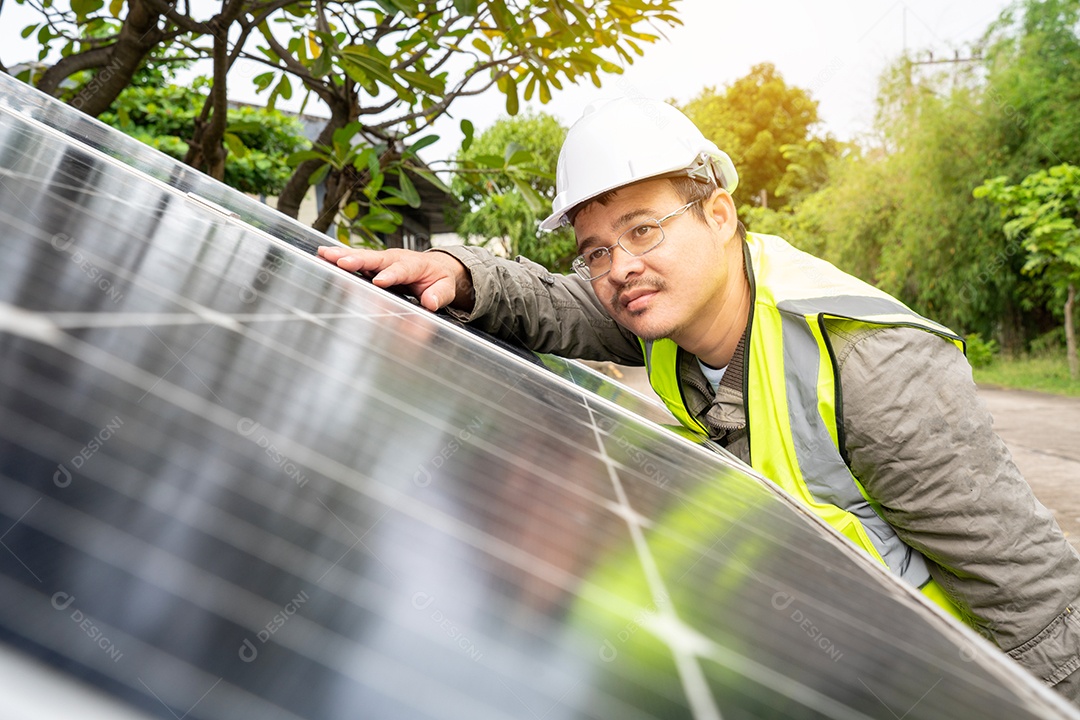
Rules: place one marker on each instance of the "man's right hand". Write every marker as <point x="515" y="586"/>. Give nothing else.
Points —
<point x="437" y="279"/>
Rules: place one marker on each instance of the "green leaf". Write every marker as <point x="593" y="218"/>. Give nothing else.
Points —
<point x="115" y="7"/>
<point x="356" y="73"/>
<point x="393" y="196"/>
<point x="422" y="143"/>
<point x="545" y="92"/>
<point x="298" y="157"/>
<point x="322" y="65"/>
<point x="531" y="198"/>
<point x="515" y="154"/>
<point x="285" y="87"/>
<point x="511" y="96"/>
<point x="467" y="130"/>
<point x="351" y="210"/>
<point x="367" y="159"/>
<point x="28" y="31"/>
<point x="409" y="7"/>
<point x="422" y="81"/>
<point x="466" y="7"/>
<point x="374" y="185"/>
<point x="319" y="175"/>
<point x="343" y="135"/>
<point x="245" y="126"/>
<point x="82" y="8"/>
<point x="408" y="190"/>
<point x="481" y="45"/>
<point x="431" y="178"/>
<point x="371" y="62"/>
<point x="381" y="221"/>
<point x="263" y="81"/>
<point x="490" y="161"/>
<point x="235" y="145"/>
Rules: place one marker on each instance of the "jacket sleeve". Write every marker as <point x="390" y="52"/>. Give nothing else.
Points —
<point x="525" y="303"/>
<point x="921" y="442"/>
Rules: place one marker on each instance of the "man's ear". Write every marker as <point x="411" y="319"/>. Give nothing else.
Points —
<point x="720" y="209"/>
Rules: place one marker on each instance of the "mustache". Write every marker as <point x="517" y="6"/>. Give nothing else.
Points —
<point x="652" y="284"/>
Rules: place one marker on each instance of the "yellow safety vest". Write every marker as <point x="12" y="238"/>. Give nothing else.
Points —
<point x="791" y="393"/>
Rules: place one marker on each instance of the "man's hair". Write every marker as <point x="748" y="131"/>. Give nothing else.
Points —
<point x="688" y="189"/>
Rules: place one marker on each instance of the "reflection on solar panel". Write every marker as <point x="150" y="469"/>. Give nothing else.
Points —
<point x="237" y="482"/>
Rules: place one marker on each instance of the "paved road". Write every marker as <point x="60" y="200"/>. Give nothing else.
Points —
<point x="1043" y="433"/>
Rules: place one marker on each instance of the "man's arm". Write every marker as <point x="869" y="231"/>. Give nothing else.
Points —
<point x="922" y="443"/>
<point x="518" y="301"/>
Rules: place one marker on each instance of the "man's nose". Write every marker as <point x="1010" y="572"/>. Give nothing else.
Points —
<point x="624" y="265"/>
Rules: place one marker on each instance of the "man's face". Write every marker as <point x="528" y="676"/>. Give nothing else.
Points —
<point x="677" y="289"/>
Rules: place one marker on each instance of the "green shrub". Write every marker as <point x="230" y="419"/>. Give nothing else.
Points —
<point x="1049" y="344"/>
<point x="980" y="353"/>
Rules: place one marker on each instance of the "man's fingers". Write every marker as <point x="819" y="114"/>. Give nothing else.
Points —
<point x="334" y="253"/>
<point x="439" y="293"/>
<point x="363" y="261"/>
<point x="431" y="277"/>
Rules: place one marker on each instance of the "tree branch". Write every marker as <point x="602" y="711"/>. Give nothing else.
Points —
<point x="459" y="91"/>
<point x="431" y="44"/>
<point x="162" y="7"/>
<point x="379" y="108"/>
<point x="50" y="80"/>
<point x="295" y="67"/>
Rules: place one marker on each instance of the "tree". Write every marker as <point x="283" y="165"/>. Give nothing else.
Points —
<point x="1033" y="69"/>
<point x="1043" y="211"/>
<point x="90" y="41"/>
<point x="504" y="205"/>
<point x="386" y="69"/>
<point x="900" y="212"/>
<point x="259" y="141"/>
<point x="752" y="120"/>
<point x="94" y="41"/>
<point x="395" y="66"/>
<point x="808" y="166"/>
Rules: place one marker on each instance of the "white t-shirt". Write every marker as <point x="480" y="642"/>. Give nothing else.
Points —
<point x="713" y="375"/>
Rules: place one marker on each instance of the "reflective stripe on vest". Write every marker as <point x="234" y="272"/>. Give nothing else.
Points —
<point x="791" y="393"/>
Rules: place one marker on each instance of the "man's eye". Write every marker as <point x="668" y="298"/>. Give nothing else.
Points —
<point x="596" y="254"/>
<point x="643" y="232"/>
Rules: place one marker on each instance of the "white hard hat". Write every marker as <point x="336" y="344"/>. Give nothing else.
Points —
<point x="621" y="141"/>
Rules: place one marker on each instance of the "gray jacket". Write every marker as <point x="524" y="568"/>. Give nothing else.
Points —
<point x="917" y="436"/>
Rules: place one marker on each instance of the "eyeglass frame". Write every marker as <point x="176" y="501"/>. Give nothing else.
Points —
<point x="581" y="267"/>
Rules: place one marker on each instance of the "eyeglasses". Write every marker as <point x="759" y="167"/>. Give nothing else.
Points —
<point x="638" y="240"/>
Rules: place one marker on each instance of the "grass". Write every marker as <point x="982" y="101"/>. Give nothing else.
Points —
<point x="1042" y="374"/>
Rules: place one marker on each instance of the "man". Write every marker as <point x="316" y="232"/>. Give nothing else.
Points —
<point x="852" y="403"/>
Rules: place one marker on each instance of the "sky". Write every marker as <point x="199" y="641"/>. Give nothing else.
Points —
<point x="835" y="49"/>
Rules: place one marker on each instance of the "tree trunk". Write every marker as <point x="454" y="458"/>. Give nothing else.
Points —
<point x="337" y="187"/>
<point x="138" y="36"/>
<point x="1011" y="325"/>
<point x="296" y="188"/>
<point x="1070" y="334"/>
<point x="206" y="151"/>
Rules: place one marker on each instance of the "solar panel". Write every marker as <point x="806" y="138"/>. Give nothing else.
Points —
<point x="237" y="482"/>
